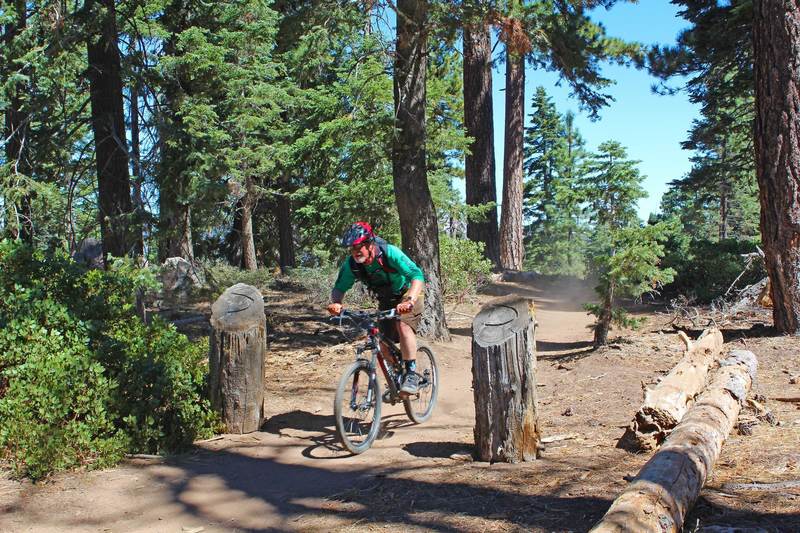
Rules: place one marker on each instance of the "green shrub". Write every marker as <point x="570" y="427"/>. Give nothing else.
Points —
<point x="164" y="372"/>
<point x="82" y="379"/>
<point x="316" y="284"/>
<point x="221" y="276"/>
<point x="706" y="269"/>
<point x="463" y="266"/>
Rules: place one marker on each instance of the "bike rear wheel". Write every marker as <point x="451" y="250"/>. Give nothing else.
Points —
<point x="357" y="408"/>
<point x="419" y="406"/>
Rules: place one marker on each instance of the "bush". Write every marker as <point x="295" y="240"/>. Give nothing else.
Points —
<point x="463" y="266"/>
<point x="317" y="283"/>
<point x="221" y="276"/>
<point x="82" y="379"/>
<point x="706" y="269"/>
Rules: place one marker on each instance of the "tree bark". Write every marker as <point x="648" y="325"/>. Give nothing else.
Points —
<point x="286" y="255"/>
<point x="504" y="381"/>
<point x="418" y="223"/>
<point x="512" y="252"/>
<point x="236" y="360"/>
<point x="108" y="126"/>
<point x="479" y="167"/>
<point x="247" y="241"/>
<point x="669" y="483"/>
<point x="776" y="39"/>
<point x="665" y="404"/>
<point x="181" y="240"/>
<point x="17" y="142"/>
<point x="136" y="168"/>
<point x="604" y="320"/>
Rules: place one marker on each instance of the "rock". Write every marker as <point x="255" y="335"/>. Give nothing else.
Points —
<point x="569" y="411"/>
<point x="461" y="457"/>
<point x="179" y="278"/>
<point x="90" y="253"/>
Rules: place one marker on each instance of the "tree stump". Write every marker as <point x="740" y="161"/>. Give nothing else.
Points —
<point x="669" y="483"/>
<point x="665" y="404"/>
<point x="504" y="381"/>
<point x="236" y="361"/>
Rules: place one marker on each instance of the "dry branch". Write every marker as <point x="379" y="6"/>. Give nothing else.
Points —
<point x="670" y="482"/>
<point x="665" y="404"/>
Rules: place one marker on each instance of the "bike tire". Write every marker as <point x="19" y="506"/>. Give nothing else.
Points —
<point x="419" y="406"/>
<point x="357" y="397"/>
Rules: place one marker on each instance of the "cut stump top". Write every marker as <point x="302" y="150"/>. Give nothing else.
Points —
<point x="500" y="319"/>
<point x="238" y="308"/>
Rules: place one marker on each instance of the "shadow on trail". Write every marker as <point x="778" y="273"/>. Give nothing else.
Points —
<point x="323" y="434"/>
<point x="297" y="419"/>
<point x="263" y="494"/>
<point x="438" y="449"/>
<point x="548" y="346"/>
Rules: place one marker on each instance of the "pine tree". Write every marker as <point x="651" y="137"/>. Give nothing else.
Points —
<point x="776" y="38"/>
<point x="418" y="221"/>
<point x="479" y="166"/>
<point x="623" y="256"/>
<point x="715" y="52"/>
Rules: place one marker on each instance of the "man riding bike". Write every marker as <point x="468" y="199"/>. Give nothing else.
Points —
<point x="394" y="280"/>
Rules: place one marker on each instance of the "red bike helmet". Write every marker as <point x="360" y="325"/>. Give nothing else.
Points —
<point x="357" y="233"/>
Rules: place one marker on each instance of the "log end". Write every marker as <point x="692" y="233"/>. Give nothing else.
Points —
<point x="238" y="308"/>
<point x="500" y="319"/>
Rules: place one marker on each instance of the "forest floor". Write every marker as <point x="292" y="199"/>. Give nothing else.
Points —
<point x="293" y="476"/>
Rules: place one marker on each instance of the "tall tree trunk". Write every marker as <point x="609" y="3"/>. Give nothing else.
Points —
<point x="248" y="242"/>
<point x="418" y="223"/>
<point x="724" y="207"/>
<point x="20" y="225"/>
<point x="180" y="242"/>
<point x="234" y="239"/>
<point x="604" y="320"/>
<point x="479" y="166"/>
<point x="512" y="252"/>
<point x="286" y="256"/>
<point x="776" y="39"/>
<point x="136" y="168"/>
<point x="108" y="125"/>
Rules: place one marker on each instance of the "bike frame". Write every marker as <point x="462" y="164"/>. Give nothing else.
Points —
<point x="375" y="338"/>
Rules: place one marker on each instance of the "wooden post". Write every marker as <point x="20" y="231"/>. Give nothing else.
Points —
<point x="669" y="483"/>
<point x="504" y="381"/>
<point x="665" y="404"/>
<point x="236" y="362"/>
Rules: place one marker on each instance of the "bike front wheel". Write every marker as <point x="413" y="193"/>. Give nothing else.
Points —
<point x="357" y="407"/>
<point x="419" y="406"/>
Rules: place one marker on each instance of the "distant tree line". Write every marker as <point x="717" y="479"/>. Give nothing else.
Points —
<point x="254" y="131"/>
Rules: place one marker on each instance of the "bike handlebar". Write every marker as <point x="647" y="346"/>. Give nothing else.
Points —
<point x="365" y="316"/>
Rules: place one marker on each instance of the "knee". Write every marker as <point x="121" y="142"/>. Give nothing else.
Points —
<point x="405" y="330"/>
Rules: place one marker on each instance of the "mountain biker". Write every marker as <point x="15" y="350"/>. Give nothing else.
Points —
<point x="395" y="280"/>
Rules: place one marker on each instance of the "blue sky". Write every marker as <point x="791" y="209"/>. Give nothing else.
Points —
<point x="650" y="126"/>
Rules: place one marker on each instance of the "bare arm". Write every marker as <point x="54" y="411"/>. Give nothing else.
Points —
<point x="335" y="307"/>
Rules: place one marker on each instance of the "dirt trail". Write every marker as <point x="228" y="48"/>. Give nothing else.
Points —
<point x="292" y="476"/>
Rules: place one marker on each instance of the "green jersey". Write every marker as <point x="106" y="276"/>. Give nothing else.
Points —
<point x="401" y="271"/>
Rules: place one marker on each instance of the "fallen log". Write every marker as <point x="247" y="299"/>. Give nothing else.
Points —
<point x="765" y="487"/>
<point x="665" y="404"/>
<point x="670" y="482"/>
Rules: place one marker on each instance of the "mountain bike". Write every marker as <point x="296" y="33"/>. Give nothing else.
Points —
<point x="357" y="405"/>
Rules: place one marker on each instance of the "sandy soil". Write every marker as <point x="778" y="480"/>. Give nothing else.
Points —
<point x="292" y="475"/>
